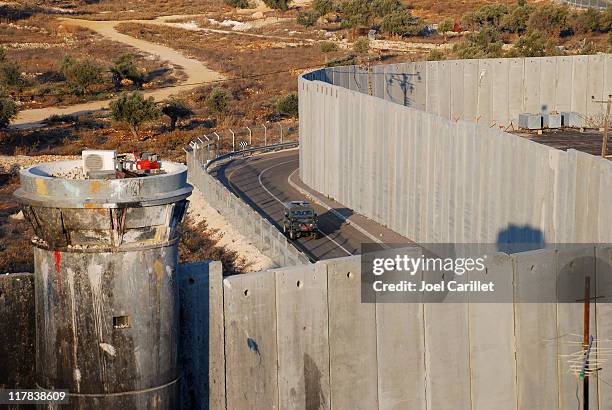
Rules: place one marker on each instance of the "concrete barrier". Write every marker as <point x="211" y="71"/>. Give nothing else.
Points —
<point x="301" y="338"/>
<point x="430" y="162"/>
<point x="264" y="235"/>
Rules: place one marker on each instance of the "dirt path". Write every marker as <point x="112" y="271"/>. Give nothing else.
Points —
<point x="195" y="71"/>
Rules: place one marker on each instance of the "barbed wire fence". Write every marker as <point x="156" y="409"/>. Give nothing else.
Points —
<point x="588" y="4"/>
<point x="220" y="142"/>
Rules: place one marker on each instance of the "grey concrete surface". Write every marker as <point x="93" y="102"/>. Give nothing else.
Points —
<point x="436" y="175"/>
<point x="335" y="352"/>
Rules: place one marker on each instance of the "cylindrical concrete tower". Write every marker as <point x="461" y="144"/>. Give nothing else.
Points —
<point x="105" y="281"/>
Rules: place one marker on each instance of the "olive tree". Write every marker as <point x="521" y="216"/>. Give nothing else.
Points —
<point x="176" y="109"/>
<point x="134" y="110"/>
<point x="81" y="74"/>
<point x="8" y="110"/>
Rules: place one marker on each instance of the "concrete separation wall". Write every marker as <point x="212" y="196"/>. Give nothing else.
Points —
<point x="491" y="92"/>
<point x="415" y="161"/>
<point x="300" y="338"/>
<point x="265" y="236"/>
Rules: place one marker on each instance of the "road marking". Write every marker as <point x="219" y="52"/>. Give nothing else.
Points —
<point x="333" y="211"/>
<point x="282" y="203"/>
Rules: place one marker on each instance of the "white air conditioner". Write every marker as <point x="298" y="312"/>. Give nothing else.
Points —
<point x="98" y="160"/>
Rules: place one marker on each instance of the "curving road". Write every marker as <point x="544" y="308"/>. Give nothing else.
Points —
<point x="267" y="181"/>
<point x="195" y="71"/>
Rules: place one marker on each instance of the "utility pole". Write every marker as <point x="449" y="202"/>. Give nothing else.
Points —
<point x="604" y="142"/>
<point x="586" y="341"/>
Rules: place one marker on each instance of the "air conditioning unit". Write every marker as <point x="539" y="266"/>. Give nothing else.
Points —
<point x="99" y="160"/>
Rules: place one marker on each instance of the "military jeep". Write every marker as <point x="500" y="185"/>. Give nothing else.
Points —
<point x="300" y="219"/>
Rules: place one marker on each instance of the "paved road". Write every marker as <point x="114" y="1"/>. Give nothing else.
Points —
<point x="262" y="181"/>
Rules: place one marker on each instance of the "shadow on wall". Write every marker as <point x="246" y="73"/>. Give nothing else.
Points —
<point x="515" y="239"/>
<point x="405" y="82"/>
<point x="330" y="222"/>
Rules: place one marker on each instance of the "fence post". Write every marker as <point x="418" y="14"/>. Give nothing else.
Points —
<point x="281" y="132"/>
<point x="250" y="137"/>
<point x="233" y="140"/>
<point x="265" y="135"/>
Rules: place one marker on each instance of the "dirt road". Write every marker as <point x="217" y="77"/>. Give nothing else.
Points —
<point x="195" y="71"/>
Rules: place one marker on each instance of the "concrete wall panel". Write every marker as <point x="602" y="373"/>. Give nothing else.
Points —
<point x="457" y="98"/>
<point x="516" y="100"/>
<point x="564" y="77"/>
<point x="500" y="110"/>
<point x="486" y="78"/>
<point x="548" y="78"/>
<point x="579" y="83"/>
<point x="352" y="339"/>
<point x="303" y="345"/>
<point x="491" y="336"/>
<point x="536" y="330"/>
<point x="531" y="86"/>
<point x="595" y="80"/>
<point x="250" y="348"/>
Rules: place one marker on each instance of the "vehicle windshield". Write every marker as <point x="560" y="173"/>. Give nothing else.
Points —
<point x="305" y="213"/>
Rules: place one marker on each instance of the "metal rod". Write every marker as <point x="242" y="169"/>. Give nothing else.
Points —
<point x="586" y="337"/>
<point x="250" y="136"/>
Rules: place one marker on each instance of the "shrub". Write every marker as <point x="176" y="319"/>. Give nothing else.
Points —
<point x="176" y="109"/>
<point x="61" y="119"/>
<point x="534" y="44"/>
<point x="2" y="55"/>
<point x="445" y="26"/>
<point x="549" y="18"/>
<point x="487" y="15"/>
<point x="307" y="18"/>
<point x="134" y="110"/>
<point x="217" y="100"/>
<point x="356" y="13"/>
<point x="516" y="20"/>
<point x="10" y="74"/>
<point x="361" y="45"/>
<point x="402" y="23"/>
<point x="381" y="8"/>
<point x="277" y="4"/>
<point x="8" y="110"/>
<point x="288" y="105"/>
<point x="81" y="74"/>
<point x="240" y="4"/>
<point x="484" y="44"/>
<point x="328" y="46"/>
<point x="348" y="60"/>
<point x="322" y="7"/>
<point x="436" y="55"/>
<point x="125" y="69"/>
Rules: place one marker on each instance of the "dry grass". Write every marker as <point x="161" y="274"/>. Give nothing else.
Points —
<point x="148" y="9"/>
<point x="268" y="68"/>
<point x="198" y="243"/>
<point x="15" y="250"/>
<point x="39" y="44"/>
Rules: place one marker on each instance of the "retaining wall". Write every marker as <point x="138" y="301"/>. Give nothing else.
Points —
<point x="264" y="236"/>
<point x="300" y="338"/>
<point x="428" y="171"/>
